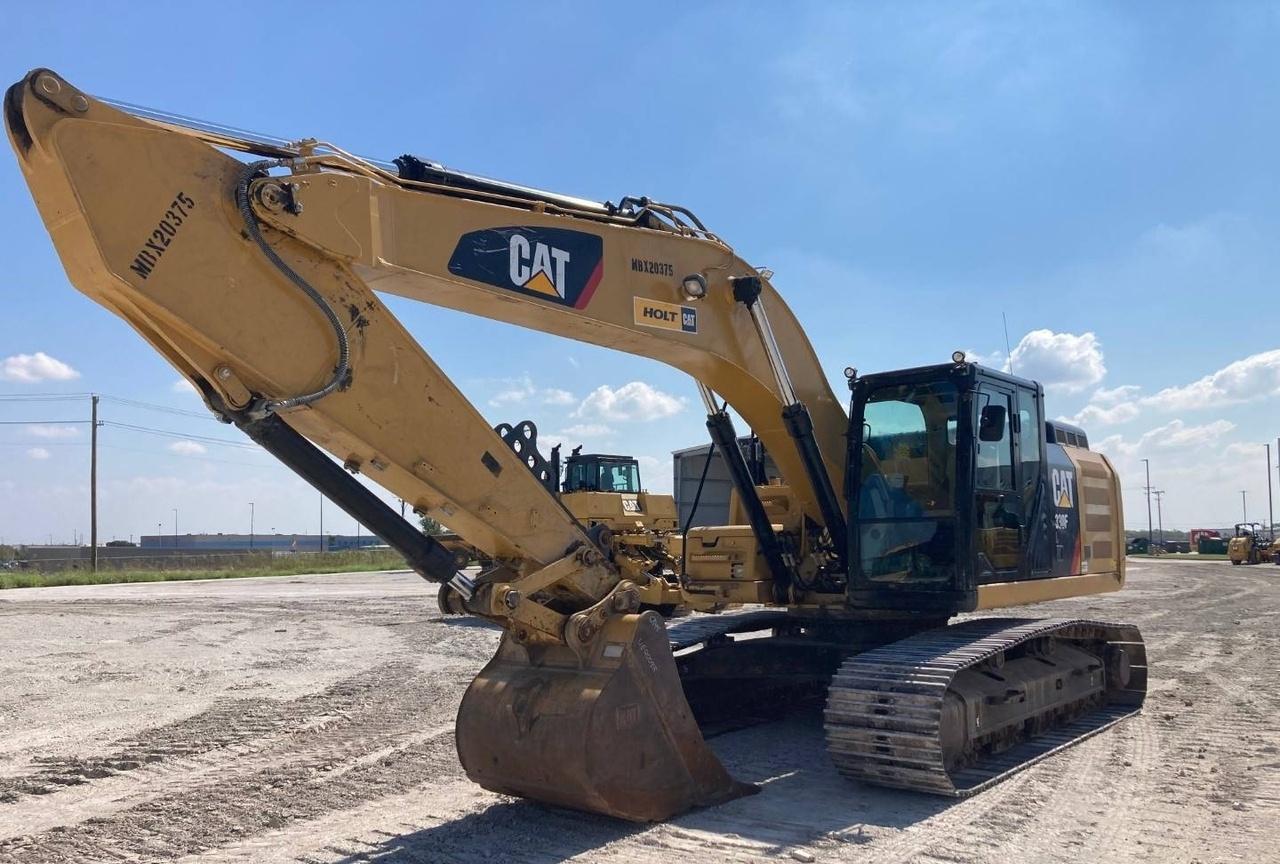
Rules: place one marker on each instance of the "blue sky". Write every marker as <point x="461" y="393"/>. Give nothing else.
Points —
<point x="1102" y="174"/>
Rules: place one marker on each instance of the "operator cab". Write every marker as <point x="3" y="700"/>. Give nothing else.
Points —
<point x="949" y="471"/>
<point x="599" y="472"/>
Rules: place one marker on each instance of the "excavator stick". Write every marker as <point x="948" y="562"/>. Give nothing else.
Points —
<point x="609" y="734"/>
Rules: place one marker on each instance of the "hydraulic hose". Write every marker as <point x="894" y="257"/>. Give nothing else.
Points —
<point x="697" y="497"/>
<point x="341" y="371"/>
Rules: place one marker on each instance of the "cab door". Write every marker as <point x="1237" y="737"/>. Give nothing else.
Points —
<point x="910" y="458"/>
<point x="1033" y="476"/>
<point x="999" y="518"/>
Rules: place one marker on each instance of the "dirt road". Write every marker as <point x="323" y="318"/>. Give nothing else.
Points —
<point x="311" y="719"/>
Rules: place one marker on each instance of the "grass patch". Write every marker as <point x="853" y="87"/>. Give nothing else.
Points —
<point x="1180" y="556"/>
<point x="281" y="565"/>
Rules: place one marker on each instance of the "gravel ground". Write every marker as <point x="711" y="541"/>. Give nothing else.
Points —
<point x="311" y="719"/>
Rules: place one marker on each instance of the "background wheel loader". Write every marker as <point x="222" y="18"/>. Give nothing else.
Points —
<point x="598" y="490"/>
<point x="1250" y="546"/>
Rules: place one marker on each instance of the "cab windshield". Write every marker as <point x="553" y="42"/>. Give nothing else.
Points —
<point x="601" y="475"/>
<point x="619" y="477"/>
<point x="906" y="500"/>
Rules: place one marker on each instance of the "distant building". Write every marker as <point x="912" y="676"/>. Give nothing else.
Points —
<point x="713" y="504"/>
<point x="260" y="542"/>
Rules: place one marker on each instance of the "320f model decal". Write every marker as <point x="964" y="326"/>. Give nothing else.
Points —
<point x="548" y="263"/>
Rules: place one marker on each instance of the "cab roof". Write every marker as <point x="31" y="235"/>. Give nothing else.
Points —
<point x="938" y="370"/>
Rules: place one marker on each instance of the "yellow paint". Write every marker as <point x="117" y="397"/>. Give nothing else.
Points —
<point x="542" y="285"/>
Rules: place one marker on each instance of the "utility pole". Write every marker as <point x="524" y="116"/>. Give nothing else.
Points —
<point x="1159" y="493"/>
<point x="175" y="527"/>
<point x="92" y="484"/>
<point x="1271" y="516"/>
<point x="321" y="521"/>
<point x="1244" y="506"/>
<point x="1150" y="539"/>
<point x="250" y="526"/>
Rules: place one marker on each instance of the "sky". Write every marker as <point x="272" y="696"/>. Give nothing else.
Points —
<point x="1100" y="176"/>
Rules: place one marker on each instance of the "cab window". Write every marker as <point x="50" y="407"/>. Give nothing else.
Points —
<point x="1030" y="440"/>
<point x="579" y="477"/>
<point x="619" y="477"/>
<point x="995" y="458"/>
<point x="906" y="500"/>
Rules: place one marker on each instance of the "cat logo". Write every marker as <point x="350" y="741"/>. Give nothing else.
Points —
<point x="553" y="264"/>
<point x="1064" y="487"/>
<point x="537" y="266"/>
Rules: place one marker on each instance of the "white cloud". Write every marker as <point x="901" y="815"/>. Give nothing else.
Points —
<point x="635" y="400"/>
<point x="510" y="396"/>
<point x="182" y="385"/>
<point x="556" y="396"/>
<point x="594" y="434"/>
<point x="1108" y="407"/>
<point x="1099" y="415"/>
<point x="1174" y="435"/>
<point x="586" y="430"/>
<point x="39" y="453"/>
<point x="1062" y="361"/>
<point x="1115" y="395"/>
<point x="1255" y="377"/>
<point x="187" y="448"/>
<point x="655" y="474"/>
<point x="41" y="430"/>
<point x="1242" y="450"/>
<point x="994" y="360"/>
<point x="30" y="368"/>
<point x="520" y="391"/>
<point x="1202" y="478"/>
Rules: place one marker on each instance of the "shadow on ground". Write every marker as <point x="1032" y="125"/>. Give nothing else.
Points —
<point x="802" y="800"/>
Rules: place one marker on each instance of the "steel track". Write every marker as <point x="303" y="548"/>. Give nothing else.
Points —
<point x="884" y="707"/>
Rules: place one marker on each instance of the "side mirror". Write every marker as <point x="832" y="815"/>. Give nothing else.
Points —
<point x="991" y="423"/>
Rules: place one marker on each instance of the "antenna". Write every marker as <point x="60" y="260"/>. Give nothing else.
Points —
<point x="1007" y="352"/>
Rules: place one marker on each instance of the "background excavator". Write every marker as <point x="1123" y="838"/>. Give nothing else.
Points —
<point x="941" y="490"/>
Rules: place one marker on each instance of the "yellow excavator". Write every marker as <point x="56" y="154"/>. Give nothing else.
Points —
<point x="940" y="490"/>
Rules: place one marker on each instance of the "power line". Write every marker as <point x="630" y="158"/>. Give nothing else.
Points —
<point x="169" y="433"/>
<point x="43" y="397"/>
<point x="167" y="409"/>
<point x="149" y="430"/>
<point x="197" y="458"/>
<point x="119" y="400"/>
<point x="44" y="422"/>
<point x="41" y="443"/>
<point x="132" y="427"/>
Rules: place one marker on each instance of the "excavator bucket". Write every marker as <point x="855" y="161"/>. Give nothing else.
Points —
<point x="610" y="734"/>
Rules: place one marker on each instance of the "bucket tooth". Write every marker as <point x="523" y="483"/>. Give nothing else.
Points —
<point x="610" y="734"/>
